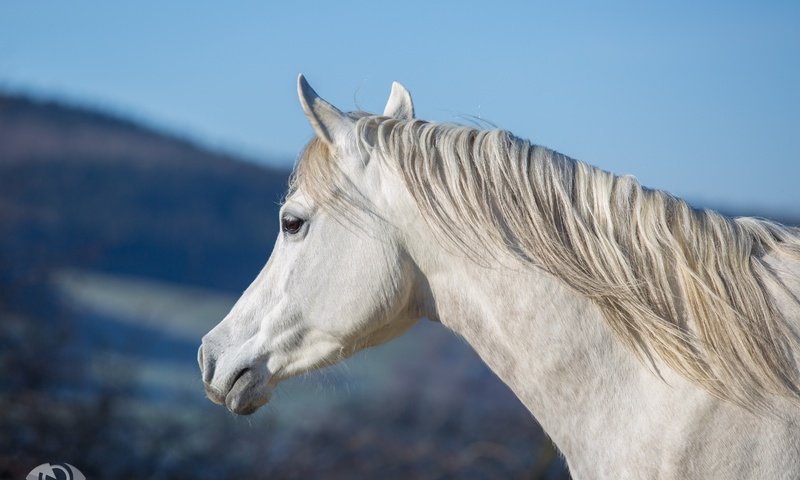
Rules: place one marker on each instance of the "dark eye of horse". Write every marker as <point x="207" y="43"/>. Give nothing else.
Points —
<point x="291" y="225"/>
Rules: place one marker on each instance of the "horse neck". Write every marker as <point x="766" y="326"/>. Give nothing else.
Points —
<point x="551" y="346"/>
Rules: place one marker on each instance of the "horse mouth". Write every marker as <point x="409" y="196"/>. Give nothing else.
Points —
<point x="250" y="391"/>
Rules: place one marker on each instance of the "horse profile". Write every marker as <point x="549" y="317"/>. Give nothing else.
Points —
<point x="649" y="339"/>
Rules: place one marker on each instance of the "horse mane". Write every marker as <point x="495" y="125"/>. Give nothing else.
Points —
<point x="674" y="283"/>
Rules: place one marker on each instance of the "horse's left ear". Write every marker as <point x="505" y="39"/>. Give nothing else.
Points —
<point x="399" y="105"/>
<point x="328" y="121"/>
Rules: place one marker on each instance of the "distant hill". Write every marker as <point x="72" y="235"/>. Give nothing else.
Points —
<point x="84" y="189"/>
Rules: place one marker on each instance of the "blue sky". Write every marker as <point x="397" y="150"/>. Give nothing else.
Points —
<point x="702" y="100"/>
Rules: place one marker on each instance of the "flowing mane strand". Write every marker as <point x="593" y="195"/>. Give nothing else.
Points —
<point x="683" y="285"/>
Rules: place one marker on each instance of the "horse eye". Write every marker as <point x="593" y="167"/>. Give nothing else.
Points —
<point x="291" y="225"/>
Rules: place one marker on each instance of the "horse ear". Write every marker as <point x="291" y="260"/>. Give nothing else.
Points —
<point x="399" y="105"/>
<point x="328" y="122"/>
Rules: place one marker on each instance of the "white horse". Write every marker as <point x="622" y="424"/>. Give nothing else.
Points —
<point x="649" y="339"/>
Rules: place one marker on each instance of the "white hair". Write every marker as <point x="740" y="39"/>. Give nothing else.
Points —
<point x="674" y="283"/>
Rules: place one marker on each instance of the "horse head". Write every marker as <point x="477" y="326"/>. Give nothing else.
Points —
<point x="339" y="278"/>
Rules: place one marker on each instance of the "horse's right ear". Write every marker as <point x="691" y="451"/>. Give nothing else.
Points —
<point x="328" y="122"/>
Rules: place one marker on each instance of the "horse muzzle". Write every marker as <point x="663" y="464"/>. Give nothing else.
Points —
<point x="243" y="389"/>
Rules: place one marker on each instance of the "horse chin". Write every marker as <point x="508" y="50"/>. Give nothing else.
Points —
<point x="250" y="392"/>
